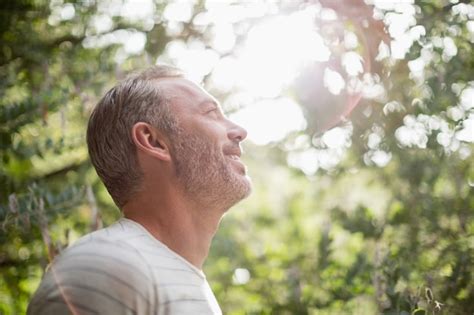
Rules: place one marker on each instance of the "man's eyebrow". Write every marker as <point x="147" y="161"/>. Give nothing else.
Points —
<point x="212" y="102"/>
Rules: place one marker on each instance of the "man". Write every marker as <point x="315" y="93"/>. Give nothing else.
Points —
<point x="170" y="160"/>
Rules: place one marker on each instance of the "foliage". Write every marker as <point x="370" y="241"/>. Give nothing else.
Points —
<point x="387" y="230"/>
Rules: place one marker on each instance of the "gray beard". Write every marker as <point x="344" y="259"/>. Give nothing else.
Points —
<point x="206" y="174"/>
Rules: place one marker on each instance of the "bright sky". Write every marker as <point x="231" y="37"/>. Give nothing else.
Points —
<point x="273" y="53"/>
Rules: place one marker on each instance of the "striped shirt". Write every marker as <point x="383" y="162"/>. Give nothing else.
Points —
<point x="119" y="270"/>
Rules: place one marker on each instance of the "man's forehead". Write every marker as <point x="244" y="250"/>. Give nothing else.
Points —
<point x="182" y="88"/>
<point x="178" y="85"/>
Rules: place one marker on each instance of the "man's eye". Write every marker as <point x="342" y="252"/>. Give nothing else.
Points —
<point x="214" y="110"/>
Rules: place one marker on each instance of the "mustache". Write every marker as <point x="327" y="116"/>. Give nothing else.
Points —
<point x="233" y="149"/>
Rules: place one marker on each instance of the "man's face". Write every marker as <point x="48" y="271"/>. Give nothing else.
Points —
<point x="206" y="148"/>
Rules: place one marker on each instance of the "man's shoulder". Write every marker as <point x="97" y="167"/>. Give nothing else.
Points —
<point x="120" y="230"/>
<point x="116" y="244"/>
<point x="101" y="271"/>
<point x="128" y="243"/>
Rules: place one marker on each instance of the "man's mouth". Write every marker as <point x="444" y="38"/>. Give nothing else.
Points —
<point x="233" y="152"/>
<point x="235" y="158"/>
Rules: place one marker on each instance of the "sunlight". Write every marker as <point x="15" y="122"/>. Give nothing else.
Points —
<point x="137" y="10"/>
<point x="337" y="137"/>
<point x="274" y="53"/>
<point x="193" y="58"/>
<point x="276" y="50"/>
<point x="333" y="81"/>
<point x="241" y="276"/>
<point x="282" y="117"/>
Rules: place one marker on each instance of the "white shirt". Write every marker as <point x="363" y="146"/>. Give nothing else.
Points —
<point x="119" y="270"/>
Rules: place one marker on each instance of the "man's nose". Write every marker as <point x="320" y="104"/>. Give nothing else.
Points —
<point x="236" y="132"/>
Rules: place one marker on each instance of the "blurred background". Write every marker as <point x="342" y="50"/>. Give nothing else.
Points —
<point x="361" y="127"/>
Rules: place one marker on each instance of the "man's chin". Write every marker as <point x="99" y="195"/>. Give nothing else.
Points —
<point x="249" y="186"/>
<point x="245" y="187"/>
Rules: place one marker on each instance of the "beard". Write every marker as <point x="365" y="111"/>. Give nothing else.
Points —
<point x="206" y="174"/>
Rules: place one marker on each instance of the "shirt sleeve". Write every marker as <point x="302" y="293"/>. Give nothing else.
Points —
<point x="98" y="277"/>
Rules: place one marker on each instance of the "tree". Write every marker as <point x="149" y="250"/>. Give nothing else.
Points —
<point x="410" y="147"/>
<point x="386" y="228"/>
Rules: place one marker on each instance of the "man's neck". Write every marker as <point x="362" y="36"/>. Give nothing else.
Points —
<point x="185" y="228"/>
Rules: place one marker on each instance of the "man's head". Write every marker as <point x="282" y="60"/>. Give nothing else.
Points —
<point x="160" y="115"/>
<point x="206" y="147"/>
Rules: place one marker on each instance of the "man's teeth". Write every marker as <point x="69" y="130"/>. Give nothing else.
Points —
<point x="234" y="157"/>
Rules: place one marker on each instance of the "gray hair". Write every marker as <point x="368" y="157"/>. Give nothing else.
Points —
<point x="109" y="137"/>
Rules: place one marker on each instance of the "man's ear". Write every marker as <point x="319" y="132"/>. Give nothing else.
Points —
<point x="151" y="141"/>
